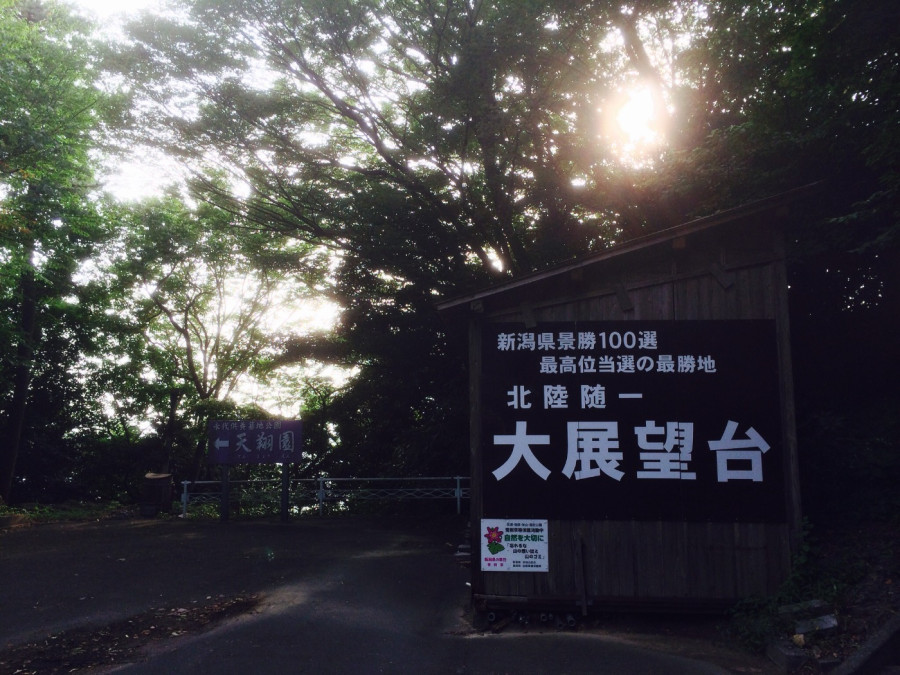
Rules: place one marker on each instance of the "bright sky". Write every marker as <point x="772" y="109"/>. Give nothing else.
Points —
<point x="144" y="174"/>
<point x="110" y="9"/>
<point x="634" y="131"/>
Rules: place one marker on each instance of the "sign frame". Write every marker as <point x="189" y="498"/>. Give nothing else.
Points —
<point x="514" y="545"/>
<point x="233" y="442"/>
<point x="688" y="427"/>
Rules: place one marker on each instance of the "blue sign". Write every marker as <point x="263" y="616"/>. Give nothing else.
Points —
<point x="255" y="441"/>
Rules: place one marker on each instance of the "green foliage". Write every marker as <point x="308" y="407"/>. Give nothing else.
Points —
<point x="422" y="142"/>
<point x="67" y="511"/>
<point x="852" y="453"/>
<point x="205" y="306"/>
<point x="790" y="95"/>
<point x="201" y="293"/>
<point x="49" y="109"/>
<point x="437" y="133"/>
<point x="755" y="621"/>
<point x="203" y="511"/>
<point x="385" y="154"/>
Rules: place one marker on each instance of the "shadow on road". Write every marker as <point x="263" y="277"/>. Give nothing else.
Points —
<point x="325" y="595"/>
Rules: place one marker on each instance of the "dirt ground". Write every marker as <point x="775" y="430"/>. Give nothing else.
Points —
<point x="130" y="553"/>
<point x="864" y="559"/>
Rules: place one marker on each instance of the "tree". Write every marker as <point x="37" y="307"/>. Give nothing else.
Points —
<point x="793" y="94"/>
<point x="214" y="305"/>
<point x="430" y="145"/>
<point x="776" y="95"/>
<point x="445" y="114"/>
<point x="435" y="145"/>
<point x="48" y="110"/>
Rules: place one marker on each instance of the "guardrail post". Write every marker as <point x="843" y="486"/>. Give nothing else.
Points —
<point x="320" y="496"/>
<point x="185" y="497"/>
<point x="223" y="505"/>
<point x="285" y="490"/>
<point x="458" y="497"/>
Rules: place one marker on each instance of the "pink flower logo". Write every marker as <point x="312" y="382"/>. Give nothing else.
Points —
<point x="494" y="536"/>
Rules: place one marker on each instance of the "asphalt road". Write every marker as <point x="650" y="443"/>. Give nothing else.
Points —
<point x="338" y="595"/>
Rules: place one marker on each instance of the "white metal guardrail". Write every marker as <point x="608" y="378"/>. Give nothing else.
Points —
<point x="319" y="492"/>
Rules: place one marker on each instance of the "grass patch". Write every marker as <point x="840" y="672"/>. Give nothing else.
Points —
<point x="67" y="511"/>
<point x="816" y="574"/>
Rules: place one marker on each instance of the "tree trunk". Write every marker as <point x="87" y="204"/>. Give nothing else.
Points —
<point x="9" y="449"/>
<point x="169" y="433"/>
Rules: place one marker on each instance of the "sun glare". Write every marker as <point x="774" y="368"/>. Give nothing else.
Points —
<point x="636" y="117"/>
<point x="634" y="125"/>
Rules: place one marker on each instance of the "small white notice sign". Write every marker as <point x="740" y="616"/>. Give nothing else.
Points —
<point x="514" y="545"/>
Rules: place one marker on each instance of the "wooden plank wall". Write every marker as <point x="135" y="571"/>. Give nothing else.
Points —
<point x="605" y="564"/>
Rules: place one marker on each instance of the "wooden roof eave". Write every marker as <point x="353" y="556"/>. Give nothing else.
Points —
<point x="653" y="239"/>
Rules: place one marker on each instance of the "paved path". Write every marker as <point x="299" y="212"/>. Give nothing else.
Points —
<point x="339" y="595"/>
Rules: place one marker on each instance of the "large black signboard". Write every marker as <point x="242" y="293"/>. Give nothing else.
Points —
<point x="255" y="441"/>
<point x="644" y="420"/>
